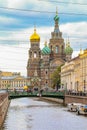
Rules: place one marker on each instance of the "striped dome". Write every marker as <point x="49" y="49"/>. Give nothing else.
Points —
<point x="68" y="50"/>
<point x="46" y="50"/>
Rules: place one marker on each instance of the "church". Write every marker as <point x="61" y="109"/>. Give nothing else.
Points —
<point x="42" y="62"/>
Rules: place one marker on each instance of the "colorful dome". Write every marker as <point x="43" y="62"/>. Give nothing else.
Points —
<point x="25" y="87"/>
<point x="56" y="18"/>
<point x="46" y="50"/>
<point x="34" y="36"/>
<point x="68" y="49"/>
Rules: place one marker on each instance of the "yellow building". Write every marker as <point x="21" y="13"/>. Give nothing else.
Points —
<point x="12" y="80"/>
<point x="67" y="76"/>
<point x="74" y="73"/>
<point x="83" y="68"/>
<point x="5" y="73"/>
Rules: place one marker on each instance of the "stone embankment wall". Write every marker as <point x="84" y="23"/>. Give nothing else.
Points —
<point x="75" y="99"/>
<point x="57" y="100"/>
<point x="4" y="103"/>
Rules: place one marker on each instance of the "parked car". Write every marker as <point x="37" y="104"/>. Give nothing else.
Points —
<point x="82" y="110"/>
<point x="73" y="106"/>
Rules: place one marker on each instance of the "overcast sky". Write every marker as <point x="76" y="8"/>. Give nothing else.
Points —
<point x="17" y="20"/>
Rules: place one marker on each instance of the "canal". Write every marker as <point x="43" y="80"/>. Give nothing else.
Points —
<point x="34" y="114"/>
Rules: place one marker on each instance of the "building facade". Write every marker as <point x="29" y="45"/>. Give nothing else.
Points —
<point x="74" y="73"/>
<point x="12" y="80"/>
<point x="42" y="63"/>
<point x="83" y="70"/>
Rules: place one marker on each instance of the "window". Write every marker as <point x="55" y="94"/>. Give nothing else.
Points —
<point x="51" y="48"/>
<point x="35" y="54"/>
<point x="46" y="72"/>
<point x="30" y="54"/>
<point x="56" y="49"/>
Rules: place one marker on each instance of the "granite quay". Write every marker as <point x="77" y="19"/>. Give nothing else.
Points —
<point x="4" y="103"/>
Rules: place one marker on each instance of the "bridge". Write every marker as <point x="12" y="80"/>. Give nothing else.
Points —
<point x="20" y="94"/>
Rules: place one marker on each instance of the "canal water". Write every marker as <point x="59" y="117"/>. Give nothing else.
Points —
<point x="34" y="114"/>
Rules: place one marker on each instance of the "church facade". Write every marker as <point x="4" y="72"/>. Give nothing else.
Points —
<point x="42" y="63"/>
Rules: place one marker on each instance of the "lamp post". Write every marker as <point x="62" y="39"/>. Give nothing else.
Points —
<point x="84" y="85"/>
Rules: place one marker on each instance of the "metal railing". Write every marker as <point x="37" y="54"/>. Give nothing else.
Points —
<point x="76" y="93"/>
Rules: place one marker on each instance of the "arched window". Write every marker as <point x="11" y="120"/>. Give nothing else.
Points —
<point x="46" y="72"/>
<point x="46" y="82"/>
<point x="30" y="54"/>
<point x="57" y="49"/>
<point x="39" y="53"/>
<point x="35" y="54"/>
<point x="51" y="47"/>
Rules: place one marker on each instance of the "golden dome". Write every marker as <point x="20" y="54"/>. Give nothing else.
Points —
<point x="35" y="36"/>
<point x="25" y="87"/>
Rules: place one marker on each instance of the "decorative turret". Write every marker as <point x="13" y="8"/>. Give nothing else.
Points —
<point x="46" y="50"/>
<point x="68" y="51"/>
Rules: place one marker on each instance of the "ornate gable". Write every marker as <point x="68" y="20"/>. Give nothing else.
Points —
<point x="56" y="62"/>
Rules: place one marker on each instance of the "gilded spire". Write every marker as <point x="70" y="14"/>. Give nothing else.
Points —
<point x="34" y="28"/>
<point x="81" y="51"/>
<point x="45" y="44"/>
<point x="56" y="11"/>
<point x="68" y="43"/>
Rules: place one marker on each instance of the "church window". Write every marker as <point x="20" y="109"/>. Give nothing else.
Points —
<point x="56" y="49"/>
<point x="51" y="48"/>
<point x="62" y="49"/>
<point x="30" y="54"/>
<point x="46" y="82"/>
<point x="39" y="53"/>
<point x="56" y="34"/>
<point x="35" y="54"/>
<point x="46" y="72"/>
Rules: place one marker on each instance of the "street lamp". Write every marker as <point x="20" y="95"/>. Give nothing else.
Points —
<point x="84" y="85"/>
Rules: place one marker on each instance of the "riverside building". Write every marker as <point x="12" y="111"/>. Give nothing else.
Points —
<point x="74" y="73"/>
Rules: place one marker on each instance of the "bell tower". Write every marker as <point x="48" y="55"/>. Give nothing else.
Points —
<point x="34" y="52"/>
<point x="57" y="44"/>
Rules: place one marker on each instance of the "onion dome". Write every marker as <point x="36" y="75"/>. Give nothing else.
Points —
<point x="68" y="49"/>
<point x="46" y="50"/>
<point x="25" y="87"/>
<point x="56" y="18"/>
<point x="34" y="37"/>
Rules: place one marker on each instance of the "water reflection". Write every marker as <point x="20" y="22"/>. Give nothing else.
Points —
<point x="33" y="114"/>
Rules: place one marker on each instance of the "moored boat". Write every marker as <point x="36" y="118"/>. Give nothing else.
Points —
<point x="73" y="106"/>
<point x="82" y="110"/>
